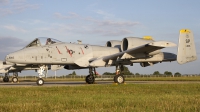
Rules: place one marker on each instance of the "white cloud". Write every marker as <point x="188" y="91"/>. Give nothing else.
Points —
<point x="71" y="15"/>
<point x="10" y="44"/>
<point x="31" y="22"/>
<point x="89" y="25"/>
<point x="15" y="6"/>
<point x="4" y="2"/>
<point x="21" y="5"/>
<point x="6" y="11"/>
<point x="14" y="28"/>
<point x="104" y="14"/>
<point x="113" y="23"/>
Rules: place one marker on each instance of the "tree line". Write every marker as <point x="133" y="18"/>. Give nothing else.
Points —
<point x="156" y="73"/>
<point x="127" y="72"/>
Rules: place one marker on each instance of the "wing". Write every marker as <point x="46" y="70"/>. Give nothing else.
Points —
<point x="5" y="67"/>
<point x="146" y="49"/>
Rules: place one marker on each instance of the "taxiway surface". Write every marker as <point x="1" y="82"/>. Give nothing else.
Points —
<point x="82" y="83"/>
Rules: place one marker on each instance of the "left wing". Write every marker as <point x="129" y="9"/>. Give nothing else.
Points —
<point x="145" y="49"/>
<point x="5" y="67"/>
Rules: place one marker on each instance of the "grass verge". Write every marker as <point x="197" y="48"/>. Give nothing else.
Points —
<point x="102" y="98"/>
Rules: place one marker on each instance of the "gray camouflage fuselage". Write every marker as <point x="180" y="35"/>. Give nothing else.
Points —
<point x="79" y="54"/>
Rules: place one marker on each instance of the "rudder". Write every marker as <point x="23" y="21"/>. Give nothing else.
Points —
<point x="186" y="48"/>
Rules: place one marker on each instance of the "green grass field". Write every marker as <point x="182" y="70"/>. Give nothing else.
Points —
<point x="102" y="98"/>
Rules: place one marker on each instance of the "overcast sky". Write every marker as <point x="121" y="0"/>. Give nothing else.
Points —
<point x="96" y="22"/>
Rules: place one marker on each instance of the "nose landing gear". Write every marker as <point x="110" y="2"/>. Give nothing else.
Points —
<point x="6" y="78"/>
<point x="42" y="72"/>
<point x="40" y="82"/>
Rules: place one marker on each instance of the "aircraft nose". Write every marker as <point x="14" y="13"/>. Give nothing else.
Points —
<point x="9" y="57"/>
<point x="13" y="57"/>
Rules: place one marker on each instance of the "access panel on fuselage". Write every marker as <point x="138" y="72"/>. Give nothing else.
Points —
<point x="79" y="52"/>
<point x="68" y="53"/>
<point x="57" y="53"/>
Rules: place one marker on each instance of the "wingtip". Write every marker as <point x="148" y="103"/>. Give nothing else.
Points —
<point x="163" y="44"/>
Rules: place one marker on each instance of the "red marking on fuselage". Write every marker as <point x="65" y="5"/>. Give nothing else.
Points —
<point x="58" y="50"/>
<point x="68" y="51"/>
<point x="97" y="73"/>
<point x="82" y="50"/>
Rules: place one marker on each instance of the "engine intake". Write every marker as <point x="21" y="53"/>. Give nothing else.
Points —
<point x="114" y="43"/>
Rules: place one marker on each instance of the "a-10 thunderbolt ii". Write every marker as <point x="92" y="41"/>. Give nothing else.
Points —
<point x="43" y="52"/>
<point x="6" y="68"/>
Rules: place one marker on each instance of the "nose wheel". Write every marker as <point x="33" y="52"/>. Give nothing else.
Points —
<point x="42" y="72"/>
<point x="40" y="82"/>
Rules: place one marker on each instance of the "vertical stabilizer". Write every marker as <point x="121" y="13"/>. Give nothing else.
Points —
<point x="186" y="47"/>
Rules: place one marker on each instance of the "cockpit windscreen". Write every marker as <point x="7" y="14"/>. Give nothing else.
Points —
<point x="42" y="41"/>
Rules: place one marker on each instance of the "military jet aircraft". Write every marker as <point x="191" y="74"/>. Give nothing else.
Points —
<point x="6" y="68"/>
<point x="42" y="52"/>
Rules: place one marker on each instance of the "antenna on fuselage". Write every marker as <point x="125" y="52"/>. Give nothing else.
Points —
<point x="79" y="41"/>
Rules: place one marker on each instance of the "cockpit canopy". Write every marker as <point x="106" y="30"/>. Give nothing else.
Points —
<point x="42" y="41"/>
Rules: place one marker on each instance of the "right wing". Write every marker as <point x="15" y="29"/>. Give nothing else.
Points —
<point x="146" y="48"/>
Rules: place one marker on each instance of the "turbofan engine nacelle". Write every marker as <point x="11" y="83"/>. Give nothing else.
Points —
<point x="114" y="43"/>
<point x="145" y="64"/>
<point x="132" y="42"/>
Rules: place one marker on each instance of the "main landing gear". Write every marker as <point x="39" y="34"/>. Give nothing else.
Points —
<point x="90" y="79"/>
<point x="6" y="78"/>
<point x="14" y="78"/>
<point x="42" y="72"/>
<point x="119" y="78"/>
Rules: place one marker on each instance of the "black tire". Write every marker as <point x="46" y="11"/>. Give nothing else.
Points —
<point x="90" y="79"/>
<point x="6" y="79"/>
<point x="119" y="79"/>
<point x="15" y="79"/>
<point x="40" y="82"/>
